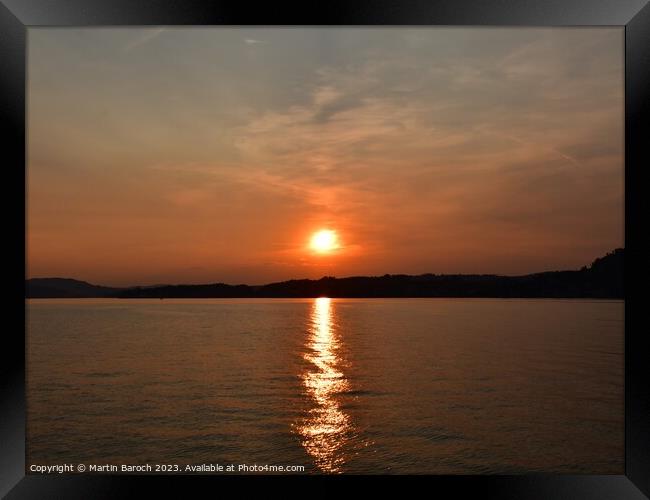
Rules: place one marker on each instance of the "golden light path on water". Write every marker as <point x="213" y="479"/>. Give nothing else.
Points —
<point x="324" y="433"/>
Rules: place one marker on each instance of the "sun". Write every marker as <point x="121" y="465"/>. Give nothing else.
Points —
<point x="324" y="241"/>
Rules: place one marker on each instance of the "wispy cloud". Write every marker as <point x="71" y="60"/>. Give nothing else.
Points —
<point x="147" y="36"/>
<point x="253" y="41"/>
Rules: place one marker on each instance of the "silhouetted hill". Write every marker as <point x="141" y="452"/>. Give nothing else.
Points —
<point x="602" y="279"/>
<point x="607" y="272"/>
<point x="66" y="288"/>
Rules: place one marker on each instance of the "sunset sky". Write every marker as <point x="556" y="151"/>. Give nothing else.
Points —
<point x="198" y="155"/>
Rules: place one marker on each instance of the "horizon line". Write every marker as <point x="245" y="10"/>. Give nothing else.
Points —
<point x="297" y="279"/>
<point x="586" y="266"/>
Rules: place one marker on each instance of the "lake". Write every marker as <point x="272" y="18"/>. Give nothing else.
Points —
<point x="361" y="386"/>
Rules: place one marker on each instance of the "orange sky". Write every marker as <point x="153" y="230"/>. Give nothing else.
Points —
<point x="167" y="155"/>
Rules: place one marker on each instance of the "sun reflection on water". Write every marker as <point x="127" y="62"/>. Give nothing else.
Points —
<point x="324" y="433"/>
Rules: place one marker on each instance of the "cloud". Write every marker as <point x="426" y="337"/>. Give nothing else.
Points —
<point x="147" y="36"/>
<point x="466" y="147"/>
<point x="253" y="41"/>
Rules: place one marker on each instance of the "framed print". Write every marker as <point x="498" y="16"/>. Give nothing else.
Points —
<point x="372" y="242"/>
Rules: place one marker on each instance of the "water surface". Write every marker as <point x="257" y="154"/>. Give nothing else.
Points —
<point x="425" y="386"/>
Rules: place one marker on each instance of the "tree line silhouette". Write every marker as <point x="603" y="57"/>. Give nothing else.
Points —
<point x="602" y="279"/>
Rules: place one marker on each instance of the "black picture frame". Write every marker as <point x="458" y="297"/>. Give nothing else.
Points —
<point x="18" y="15"/>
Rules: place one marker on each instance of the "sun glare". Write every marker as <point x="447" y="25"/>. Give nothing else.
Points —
<point x="324" y="241"/>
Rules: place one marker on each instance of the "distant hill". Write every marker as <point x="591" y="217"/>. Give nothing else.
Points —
<point x="66" y="288"/>
<point x="602" y="279"/>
